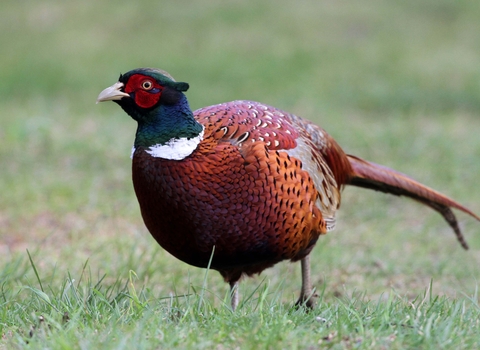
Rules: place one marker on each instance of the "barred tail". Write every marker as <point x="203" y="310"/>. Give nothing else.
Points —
<point x="380" y="178"/>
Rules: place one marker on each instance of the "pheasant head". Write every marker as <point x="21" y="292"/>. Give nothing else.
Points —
<point x="156" y="101"/>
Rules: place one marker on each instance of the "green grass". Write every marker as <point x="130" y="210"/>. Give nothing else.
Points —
<point x="88" y="314"/>
<point x="397" y="83"/>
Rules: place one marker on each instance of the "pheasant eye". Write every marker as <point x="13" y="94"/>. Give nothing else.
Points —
<point x="147" y="85"/>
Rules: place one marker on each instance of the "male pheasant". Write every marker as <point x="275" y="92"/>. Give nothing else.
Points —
<point x="246" y="181"/>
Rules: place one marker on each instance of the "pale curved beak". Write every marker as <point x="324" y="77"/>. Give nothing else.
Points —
<point x="112" y="93"/>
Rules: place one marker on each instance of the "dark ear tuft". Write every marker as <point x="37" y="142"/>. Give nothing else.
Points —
<point x="181" y="86"/>
<point x="170" y="95"/>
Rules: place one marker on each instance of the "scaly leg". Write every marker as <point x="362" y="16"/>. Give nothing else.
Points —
<point x="307" y="296"/>
<point x="234" y="294"/>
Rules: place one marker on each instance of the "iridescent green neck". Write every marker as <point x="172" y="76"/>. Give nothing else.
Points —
<point x="166" y="123"/>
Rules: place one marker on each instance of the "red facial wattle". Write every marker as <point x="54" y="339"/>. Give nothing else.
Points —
<point x="144" y="90"/>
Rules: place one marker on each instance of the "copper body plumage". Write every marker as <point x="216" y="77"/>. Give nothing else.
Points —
<point x="260" y="187"/>
<point x="252" y="201"/>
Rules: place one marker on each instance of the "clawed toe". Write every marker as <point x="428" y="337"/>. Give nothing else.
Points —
<point x="307" y="301"/>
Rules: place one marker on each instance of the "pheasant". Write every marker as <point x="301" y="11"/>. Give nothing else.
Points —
<point x="243" y="185"/>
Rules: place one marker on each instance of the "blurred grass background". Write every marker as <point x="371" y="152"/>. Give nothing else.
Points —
<point x="394" y="82"/>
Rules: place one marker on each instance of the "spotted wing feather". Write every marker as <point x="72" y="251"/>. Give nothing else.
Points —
<point x="245" y="122"/>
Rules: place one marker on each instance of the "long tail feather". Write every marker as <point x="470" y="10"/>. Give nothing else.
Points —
<point x="380" y="178"/>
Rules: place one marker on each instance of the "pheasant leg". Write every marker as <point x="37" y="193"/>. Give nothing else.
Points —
<point x="307" y="295"/>
<point x="234" y="294"/>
